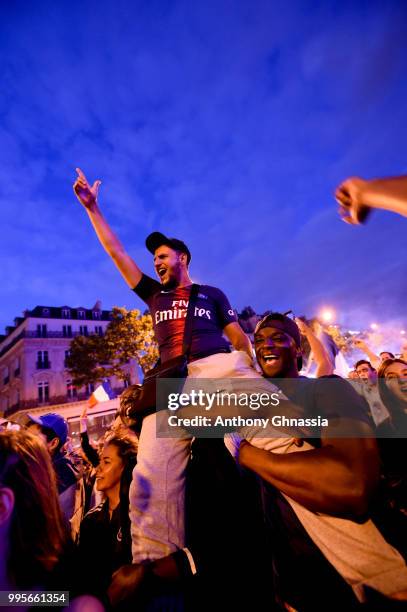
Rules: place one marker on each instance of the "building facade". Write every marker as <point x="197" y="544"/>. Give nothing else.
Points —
<point x="33" y="372"/>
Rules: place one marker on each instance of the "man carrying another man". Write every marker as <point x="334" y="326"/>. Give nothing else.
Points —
<point x="334" y="474"/>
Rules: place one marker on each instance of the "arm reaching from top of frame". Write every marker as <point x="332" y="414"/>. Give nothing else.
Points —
<point x="88" y="197"/>
<point x="357" y="197"/>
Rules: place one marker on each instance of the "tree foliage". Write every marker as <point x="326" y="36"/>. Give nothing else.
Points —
<point x="128" y="336"/>
<point x="83" y="360"/>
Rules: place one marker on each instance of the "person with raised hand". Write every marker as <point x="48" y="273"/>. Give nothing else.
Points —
<point x="362" y="346"/>
<point x="88" y="197"/>
<point x="215" y="329"/>
<point x="357" y="197"/>
<point x="318" y="352"/>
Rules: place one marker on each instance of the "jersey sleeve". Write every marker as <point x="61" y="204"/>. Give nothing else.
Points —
<point x="147" y="288"/>
<point x="224" y="310"/>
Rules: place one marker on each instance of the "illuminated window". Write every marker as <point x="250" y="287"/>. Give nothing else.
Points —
<point x="71" y="391"/>
<point x="43" y="392"/>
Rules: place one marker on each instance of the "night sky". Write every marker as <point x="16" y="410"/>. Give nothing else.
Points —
<point x="225" y="124"/>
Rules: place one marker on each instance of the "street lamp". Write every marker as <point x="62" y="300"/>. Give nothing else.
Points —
<point x="327" y="315"/>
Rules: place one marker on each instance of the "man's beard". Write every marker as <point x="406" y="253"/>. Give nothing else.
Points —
<point x="174" y="280"/>
<point x="172" y="283"/>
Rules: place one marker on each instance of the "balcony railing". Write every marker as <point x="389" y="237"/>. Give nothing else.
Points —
<point x="43" y="400"/>
<point x="13" y="408"/>
<point x="56" y="334"/>
<point x="48" y="334"/>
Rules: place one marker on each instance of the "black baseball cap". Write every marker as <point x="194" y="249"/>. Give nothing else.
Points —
<point x="285" y="324"/>
<point x="157" y="239"/>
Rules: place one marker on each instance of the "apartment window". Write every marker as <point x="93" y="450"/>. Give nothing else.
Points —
<point x="96" y="314"/>
<point x="42" y="360"/>
<point x="43" y="392"/>
<point x="67" y="354"/>
<point x="83" y="330"/>
<point x="17" y="367"/>
<point x="67" y="331"/>
<point x="71" y="391"/>
<point x="66" y="313"/>
<point x="6" y="375"/>
<point x="81" y="314"/>
<point x="41" y="331"/>
<point x="99" y="330"/>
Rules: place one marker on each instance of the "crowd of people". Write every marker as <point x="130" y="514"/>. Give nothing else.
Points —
<point x="309" y="517"/>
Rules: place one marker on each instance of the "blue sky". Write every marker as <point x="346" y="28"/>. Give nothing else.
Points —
<point x="226" y="124"/>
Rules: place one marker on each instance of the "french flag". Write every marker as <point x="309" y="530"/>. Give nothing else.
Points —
<point x="102" y="393"/>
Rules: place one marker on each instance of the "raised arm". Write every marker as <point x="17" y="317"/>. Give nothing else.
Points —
<point x="91" y="453"/>
<point x="373" y="358"/>
<point x="88" y="197"/>
<point x="319" y="354"/>
<point x="356" y="197"/>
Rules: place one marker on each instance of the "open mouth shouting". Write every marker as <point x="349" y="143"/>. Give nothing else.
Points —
<point x="403" y="385"/>
<point x="269" y="361"/>
<point x="270" y="357"/>
<point x="161" y="271"/>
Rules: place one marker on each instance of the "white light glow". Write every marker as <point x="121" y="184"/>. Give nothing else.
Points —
<point x="327" y="315"/>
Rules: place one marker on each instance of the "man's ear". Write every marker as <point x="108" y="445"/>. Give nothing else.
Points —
<point x="53" y="445"/>
<point x="6" y="504"/>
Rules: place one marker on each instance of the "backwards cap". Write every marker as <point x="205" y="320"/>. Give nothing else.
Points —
<point x="280" y="321"/>
<point x="157" y="239"/>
